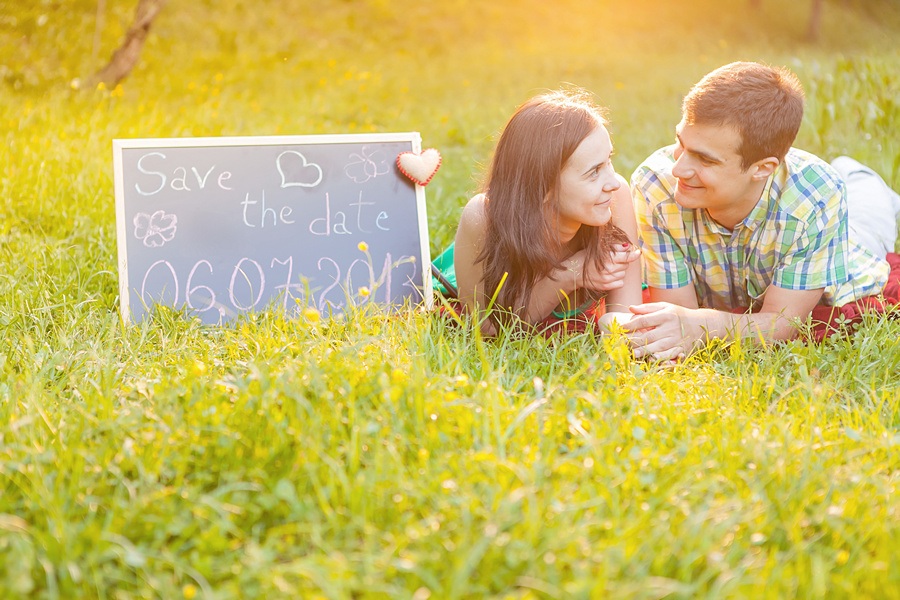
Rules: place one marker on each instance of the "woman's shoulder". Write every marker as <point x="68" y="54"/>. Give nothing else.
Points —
<point x="476" y="203"/>
<point x="474" y="213"/>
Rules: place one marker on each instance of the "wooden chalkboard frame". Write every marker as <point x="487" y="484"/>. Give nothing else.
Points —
<point x="121" y="197"/>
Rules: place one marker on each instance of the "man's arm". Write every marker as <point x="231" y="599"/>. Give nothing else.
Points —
<point x="684" y="296"/>
<point x="672" y="326"/>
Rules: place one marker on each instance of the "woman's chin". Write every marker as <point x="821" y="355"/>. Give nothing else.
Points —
<point x="601" y="217"/>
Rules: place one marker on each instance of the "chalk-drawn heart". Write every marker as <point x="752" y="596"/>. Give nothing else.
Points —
<point x="419" y="167"/>
<point x="295" y="170"/>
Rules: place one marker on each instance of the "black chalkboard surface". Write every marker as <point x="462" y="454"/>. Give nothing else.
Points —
<point x="221" y="226"/>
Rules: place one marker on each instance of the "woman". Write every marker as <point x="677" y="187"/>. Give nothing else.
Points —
<point x="553" y="229"/>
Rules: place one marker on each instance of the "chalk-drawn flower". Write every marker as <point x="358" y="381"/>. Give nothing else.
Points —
<point x="366" y="165"/>
<point x="156" y="229"/>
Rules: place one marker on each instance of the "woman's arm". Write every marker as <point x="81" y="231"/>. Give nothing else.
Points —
<point x="619" y="299"/>
<point x="469" y="273"/>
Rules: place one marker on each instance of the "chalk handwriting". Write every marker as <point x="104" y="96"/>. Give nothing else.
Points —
<point x="249" y="285"/>
<point x="261" y="281"/>
<point x="335" y="222"/>
<point x="287" y="289"/>
<point x="282" y="216"/>
<point x="180" y="181"/>
<point x="206" y="293"/>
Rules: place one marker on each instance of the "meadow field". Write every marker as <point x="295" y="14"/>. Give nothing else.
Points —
<point x="403" y="456"/>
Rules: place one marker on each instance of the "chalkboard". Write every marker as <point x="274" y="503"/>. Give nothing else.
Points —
<point x="222" y="226"/>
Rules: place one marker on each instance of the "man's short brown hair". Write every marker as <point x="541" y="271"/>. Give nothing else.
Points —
<point x="764" y="104"/>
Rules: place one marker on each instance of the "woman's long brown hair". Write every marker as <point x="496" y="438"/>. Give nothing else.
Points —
<point x="521" y="236"/>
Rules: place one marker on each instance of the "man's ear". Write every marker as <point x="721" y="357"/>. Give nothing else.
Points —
<point x="765" y="167"/>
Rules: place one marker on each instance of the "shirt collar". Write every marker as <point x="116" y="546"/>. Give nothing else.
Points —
<point x="758" y="215"/>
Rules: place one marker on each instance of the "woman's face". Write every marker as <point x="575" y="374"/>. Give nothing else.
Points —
<point x="586" y="184"/>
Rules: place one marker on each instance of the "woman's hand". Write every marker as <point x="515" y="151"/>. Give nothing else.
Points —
<point x="612" y="275"/>
<point x="607" y="319"/>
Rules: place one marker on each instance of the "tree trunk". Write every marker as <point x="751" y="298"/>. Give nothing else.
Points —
<point x="815" y="17"/>
<point x="126" y="57"/>
<point x="815" y="20"/>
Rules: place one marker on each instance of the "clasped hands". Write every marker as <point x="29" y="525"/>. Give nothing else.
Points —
<point x="664" y="332"/>
<point x="658" y="330"/>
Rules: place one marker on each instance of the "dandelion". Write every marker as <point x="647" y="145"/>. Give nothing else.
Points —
<point x="363" y="247"/>
<point x="311" y="314"/>
<point x="189" y="591"/>
<point x="364" y="292"/>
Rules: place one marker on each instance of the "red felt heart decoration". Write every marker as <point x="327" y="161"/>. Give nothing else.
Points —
<point x="420" y="167"/>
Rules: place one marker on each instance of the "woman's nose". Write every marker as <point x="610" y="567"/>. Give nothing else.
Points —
<point x="612" y="184"/>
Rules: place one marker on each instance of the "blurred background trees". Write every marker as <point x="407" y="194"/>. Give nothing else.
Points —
<point x="128" y="53"/>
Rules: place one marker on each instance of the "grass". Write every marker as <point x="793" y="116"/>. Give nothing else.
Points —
<point x="404" y="456"/>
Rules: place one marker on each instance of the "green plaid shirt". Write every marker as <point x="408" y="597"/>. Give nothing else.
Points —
<point x="795" y="238"/>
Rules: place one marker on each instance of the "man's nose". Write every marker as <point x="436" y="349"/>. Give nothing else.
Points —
<point x="682" y="169"/>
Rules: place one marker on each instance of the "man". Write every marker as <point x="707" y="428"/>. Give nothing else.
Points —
<point x="732" y="217"/>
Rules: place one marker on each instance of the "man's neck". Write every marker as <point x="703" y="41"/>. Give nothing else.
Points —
<point x="729" y="217"/>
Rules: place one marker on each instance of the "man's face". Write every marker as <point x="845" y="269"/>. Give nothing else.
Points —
<point x="709" y="173"/>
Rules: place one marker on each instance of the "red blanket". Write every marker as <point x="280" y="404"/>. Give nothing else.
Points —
<point x="828" y="319"/>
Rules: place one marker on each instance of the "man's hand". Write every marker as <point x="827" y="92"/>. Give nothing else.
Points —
<point x="668" y="331"/>
<point x="665" y="331"/>
<point x="612" y="275"/>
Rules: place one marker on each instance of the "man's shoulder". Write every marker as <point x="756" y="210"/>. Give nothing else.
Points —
<point x="805" y="183"/>
<point x="655" y="173"/>
<point x="660" y="161"/>
<point x="804" y="169"/>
